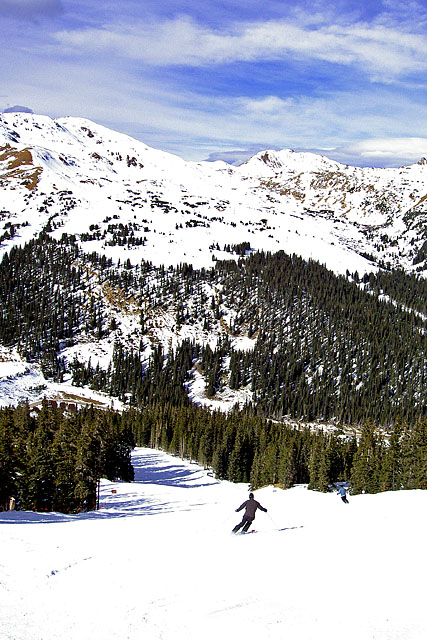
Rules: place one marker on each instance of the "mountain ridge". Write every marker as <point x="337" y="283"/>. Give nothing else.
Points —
<point x="298" y="202"/>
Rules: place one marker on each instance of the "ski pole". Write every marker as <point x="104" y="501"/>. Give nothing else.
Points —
<point x="272" y="520"/>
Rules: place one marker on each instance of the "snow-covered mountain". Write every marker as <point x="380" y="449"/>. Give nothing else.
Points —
<point x="114" y="196"/>
<point x="80" y="178"/>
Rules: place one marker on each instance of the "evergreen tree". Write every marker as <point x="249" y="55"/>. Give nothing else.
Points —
<point x="318" y="466"/>
<point x="90" y="462"/>
<point x="65" y="456"/>
<point x="39" y="492"/>
<point x="391" y="477"/>
<point x="414" y="454"/>
<point x="365" y="476"/>
<point x="8" y="460"/>
<point x="287" y="464"/>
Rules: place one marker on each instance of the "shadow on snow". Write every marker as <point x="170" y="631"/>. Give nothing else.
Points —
<point x="149" y="469"/>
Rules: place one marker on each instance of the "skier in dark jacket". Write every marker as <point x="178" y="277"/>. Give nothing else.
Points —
<point x="250" y="506"/>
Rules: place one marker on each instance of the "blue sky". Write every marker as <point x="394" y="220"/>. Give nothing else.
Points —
<point x="213" y="79"/>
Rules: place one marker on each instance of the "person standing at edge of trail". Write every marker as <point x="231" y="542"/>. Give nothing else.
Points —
<point x="343" y="493"/>
<point x="250" y="506"/>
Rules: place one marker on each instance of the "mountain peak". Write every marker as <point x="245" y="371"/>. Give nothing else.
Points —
<point x="273" y="163"/>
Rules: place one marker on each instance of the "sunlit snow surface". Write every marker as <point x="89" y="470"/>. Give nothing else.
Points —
<point x="158" y="561"/>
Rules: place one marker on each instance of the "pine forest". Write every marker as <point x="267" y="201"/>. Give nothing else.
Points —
<point x="345" y="350"/>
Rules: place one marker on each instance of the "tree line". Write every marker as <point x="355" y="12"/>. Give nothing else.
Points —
<point x="51" y="461"/>
<point x="243" y="447"/>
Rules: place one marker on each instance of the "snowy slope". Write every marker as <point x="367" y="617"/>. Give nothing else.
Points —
<point x="79" y="175"/>
<point x="127" y="201"/>
<point x="22" y="382"/>
<point x="158" y="562"/>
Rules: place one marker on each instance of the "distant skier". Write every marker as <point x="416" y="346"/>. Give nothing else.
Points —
<point x="250" y="506"/>
<point x="342" y="491"/>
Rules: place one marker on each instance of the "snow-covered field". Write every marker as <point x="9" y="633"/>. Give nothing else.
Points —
<point x="158" y="562"/>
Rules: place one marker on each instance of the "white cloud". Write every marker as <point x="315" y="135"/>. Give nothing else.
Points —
<point x="391" y="150"/>
<point x="269" y="106"/>
<point x="374" y="48"/>
<point x="153" y="106"/>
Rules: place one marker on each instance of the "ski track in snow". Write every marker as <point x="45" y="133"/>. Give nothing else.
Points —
<point x="158" y="561"/>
